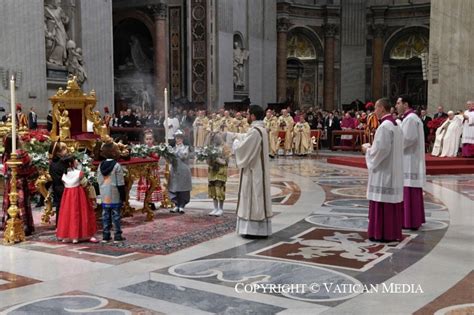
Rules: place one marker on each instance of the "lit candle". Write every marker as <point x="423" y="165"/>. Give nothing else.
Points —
<point x="13" y="111"/>
<point x="165" y="124"/>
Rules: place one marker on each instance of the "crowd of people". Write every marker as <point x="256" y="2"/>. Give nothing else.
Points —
<point x="396" y="139"/>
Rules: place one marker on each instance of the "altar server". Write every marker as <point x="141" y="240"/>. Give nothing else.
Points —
<point x="414" y="168"/>
<point x="385" y="185"/>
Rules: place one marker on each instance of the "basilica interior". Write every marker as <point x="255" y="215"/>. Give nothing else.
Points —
<point x="91" y="73"/>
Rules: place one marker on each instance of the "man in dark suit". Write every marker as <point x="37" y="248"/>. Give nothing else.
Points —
<point x="49" y="121"/>
<point x="330" y="124"/>
<point x="425" y="119"/>
<point x="440" y="113"/>
<point x="32" y="119"/>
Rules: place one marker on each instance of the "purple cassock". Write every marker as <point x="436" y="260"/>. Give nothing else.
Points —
<point x="385" y="185"/>
<point x="414" y="170"/>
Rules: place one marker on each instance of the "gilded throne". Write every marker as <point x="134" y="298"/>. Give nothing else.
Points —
<point x="74" y="120"/>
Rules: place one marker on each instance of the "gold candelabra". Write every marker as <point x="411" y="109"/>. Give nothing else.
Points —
<point x="166" y="203"/>
<point x="14" y="232"/>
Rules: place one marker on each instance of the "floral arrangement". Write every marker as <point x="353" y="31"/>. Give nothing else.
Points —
<point x="436" y="123"/>
<point x="37" y="143"/>
<point x="162" y="150"/>
<point x="140" y="150"/>
<point x="165" y="151"/>
<point x="86" y="162"/>
<point x="40" y="160"/>
<point x="208" y="153"/>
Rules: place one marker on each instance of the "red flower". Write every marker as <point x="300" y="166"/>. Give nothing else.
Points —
<point x="436" y="123"/>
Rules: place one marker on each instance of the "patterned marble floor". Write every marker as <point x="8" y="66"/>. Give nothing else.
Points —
<point x="319" y="260"/>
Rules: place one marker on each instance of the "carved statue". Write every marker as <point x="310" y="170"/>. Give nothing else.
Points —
<point x="240" y="56"/>
<point x="139" y="58"/>
<point x="75" y="63"/>
<point x="64" y="125"/>
<point x="55" y="29"/>
<point x="99" y="127"/>
<point x="144" y="100"/>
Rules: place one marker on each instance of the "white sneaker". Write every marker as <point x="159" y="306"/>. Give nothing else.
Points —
<point x="213" y="212"/>
<point x="181" y="210"/>
<point x="218" y="213"/>
<point x="175" y="210"/>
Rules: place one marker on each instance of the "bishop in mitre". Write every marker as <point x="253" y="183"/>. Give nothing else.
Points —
<point x="448" y="136"/>
<point x="254" y="205"/>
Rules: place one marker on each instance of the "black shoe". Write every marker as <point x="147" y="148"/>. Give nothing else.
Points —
<point x="271" y="156"/>
<point x="105" y="240"/>
<point x="254" y="237"/>
<point x="119" y="239"/>
<point x="152" y="206"/>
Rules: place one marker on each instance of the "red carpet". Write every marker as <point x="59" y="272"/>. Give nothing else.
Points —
<point x="166" y="234"/>
<point x="434" y="165"/>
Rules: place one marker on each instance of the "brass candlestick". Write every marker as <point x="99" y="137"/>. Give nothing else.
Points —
<point x="166" y="203"/>
<point x="14" y="232"/>
<point x="40" y="185"/>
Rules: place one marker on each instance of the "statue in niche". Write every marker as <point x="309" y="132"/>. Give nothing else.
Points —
<point x="144" y="99"/>
<point x="75" y="63"/>
<point x="56" y="35"/>
<point x="139" y="58"/>
<point x="240" y="56"/>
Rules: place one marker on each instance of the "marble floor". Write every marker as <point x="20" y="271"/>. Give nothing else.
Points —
<point x="318" y="261"/>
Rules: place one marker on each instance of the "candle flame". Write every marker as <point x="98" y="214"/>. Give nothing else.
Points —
<point x="13" y="77"/>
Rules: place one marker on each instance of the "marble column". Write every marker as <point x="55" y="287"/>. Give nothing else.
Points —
<point x="330" y="31"/>
<point x="160" y="14"/>
<point x="377" y="61"/>
<point x="282" y="37"/>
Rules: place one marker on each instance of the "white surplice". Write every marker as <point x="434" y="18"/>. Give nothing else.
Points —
<point x="414" y="165"/>
<point x="448" y="137"/>
<point x="254" y="206"/>
<point x="384" y="162"/>
<point x="468" y="128"/>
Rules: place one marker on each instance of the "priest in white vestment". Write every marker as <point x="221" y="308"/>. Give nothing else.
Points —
<point x="254" y="205"/>
<point x="414" y="166"/>
<point x="448" y="136"/>
<point x="385" y="186"/>
<point x="468" y="131"/>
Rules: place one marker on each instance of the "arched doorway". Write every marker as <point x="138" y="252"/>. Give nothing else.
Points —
<point x="133" y="66"/>
<point x="403" y="66"/>
<point x="302" y="69"/>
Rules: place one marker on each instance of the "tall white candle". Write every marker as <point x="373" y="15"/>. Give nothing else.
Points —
<point x="13" y="111"/>
<point x="165" y="124"/>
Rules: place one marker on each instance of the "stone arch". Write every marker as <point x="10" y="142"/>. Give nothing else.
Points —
<point x="136" y="15"/>
<point x="403" y="74"/>
<point x="304" y="64"/>
<point x="401" y="34"/>
<point x="312" y="36"/>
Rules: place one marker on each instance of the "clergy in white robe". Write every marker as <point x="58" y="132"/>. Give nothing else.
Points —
<point x="200" y="129"/>
<point x="414" y="167"/>
<point x="385" y="186"/>
<point x="254" y="205"/>
<point x="468" y="131"/>
<point x="448" y="136"/>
